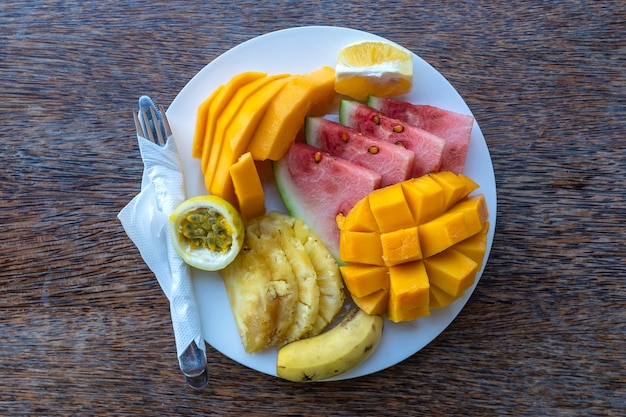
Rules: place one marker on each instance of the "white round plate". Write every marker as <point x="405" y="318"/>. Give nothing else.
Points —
<point x="302" y="50"/>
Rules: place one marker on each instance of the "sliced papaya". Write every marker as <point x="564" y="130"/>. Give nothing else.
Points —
<point x="247" y="187"/>
<point x="224" y="118"/>
<point x="285" y="116"/>
<point x="240" y="130"/>
<point x="216" y="107"/>
<point x="201" y="122"/>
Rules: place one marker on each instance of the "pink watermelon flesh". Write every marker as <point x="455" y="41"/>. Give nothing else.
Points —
<point x="316" y="191"/>
<point x="392" y="162"/>
<point x="454" y="127"/>
<point x="428" y="148"/>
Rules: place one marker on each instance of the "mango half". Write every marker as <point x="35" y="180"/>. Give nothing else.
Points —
<point x="413" y="246"/>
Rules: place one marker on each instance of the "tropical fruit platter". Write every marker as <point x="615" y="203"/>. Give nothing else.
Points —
<point x="341" y="202"/>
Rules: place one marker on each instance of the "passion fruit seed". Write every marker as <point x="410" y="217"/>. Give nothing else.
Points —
<point x="207" y="228"/>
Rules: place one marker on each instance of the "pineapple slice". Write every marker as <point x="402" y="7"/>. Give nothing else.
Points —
<point x="279" y="227"/>
<point x="284" y="285"/>
<point x="263" y="304"/>
<point x="328" y="277"/>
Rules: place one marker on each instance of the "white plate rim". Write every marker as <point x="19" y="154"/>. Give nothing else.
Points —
<point x="300" y="50"/>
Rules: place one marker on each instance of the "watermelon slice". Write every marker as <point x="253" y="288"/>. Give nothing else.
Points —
<point x="455" y="128"/>
<point x="316" y="186"/>
<point x="392" y="162"/>
<point x="428" y="148"/>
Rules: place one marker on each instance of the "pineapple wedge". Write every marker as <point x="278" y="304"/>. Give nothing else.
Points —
<point x="284" y="285"/>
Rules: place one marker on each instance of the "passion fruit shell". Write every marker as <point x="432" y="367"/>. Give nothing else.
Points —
<point x="207" y="232"/>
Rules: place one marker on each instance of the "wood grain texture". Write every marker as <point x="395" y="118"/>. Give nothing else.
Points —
<point x="84" y="327"/>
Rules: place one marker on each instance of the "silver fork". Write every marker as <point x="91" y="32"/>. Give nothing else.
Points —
<point x="151" y="123"/>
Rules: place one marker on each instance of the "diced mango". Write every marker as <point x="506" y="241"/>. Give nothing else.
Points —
<point x="239" y="132"/>
<point x="360" y="247"/>
<point x="474" y="211"/>
<point x="439" y="234"/>
<point x="402" y="245"/>
<point x="454" y="188"/>
<point x="359" y="218"/>
<point x="474" y="247"/>
<point x="439" y="298"/>
<point x="374" y="303"/>
<point x="408" y="291"/>
<point x="362" y="280"/>
<point x="390" y="208"/>
<point x="219" y="102"/>
<point x="463" y="220"/>
<point x="285" y="115"/>
<point x="451" y="271"/>
<point x="201" y="122"/>
<point x="425" y="198"/>
<point x="432" y="238"/>
<point x="248" y="187"/>
<point x="470" y="183"/>
<point x="408" y="315"/>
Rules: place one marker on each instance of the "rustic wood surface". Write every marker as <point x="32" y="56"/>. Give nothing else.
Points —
<point x="544" y="333"/>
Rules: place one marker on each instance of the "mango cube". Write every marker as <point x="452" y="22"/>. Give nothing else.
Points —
<point x="374" y="303"/>
<point x="439" y="298"/>
<point x="407" y="315"/>
<point x="474" y="247"/>
<point x="454" y="188"/>
<point x="390" y="208"/>
<point x="451" y="271"/>
<point x="362" y="280"/>
<point x="408" y="291"/>
<point x="360" y="247"/>
<point x="402" y="245"/>
<point x="425" y="198"/>
<point x="439" y="234"/>
<point x="360" y="218"/>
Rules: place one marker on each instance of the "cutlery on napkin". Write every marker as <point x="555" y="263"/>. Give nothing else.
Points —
<point x="146" y="221"/>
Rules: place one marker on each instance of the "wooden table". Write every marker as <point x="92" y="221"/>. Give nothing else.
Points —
<point x="84" y="327"/>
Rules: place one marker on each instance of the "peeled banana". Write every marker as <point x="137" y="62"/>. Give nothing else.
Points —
<point x="333" y="352"/>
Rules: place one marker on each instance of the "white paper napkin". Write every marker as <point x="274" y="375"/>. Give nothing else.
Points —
<point x="146" y="221"/>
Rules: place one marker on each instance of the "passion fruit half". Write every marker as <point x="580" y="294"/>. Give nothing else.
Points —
<point x="207" y="232"/>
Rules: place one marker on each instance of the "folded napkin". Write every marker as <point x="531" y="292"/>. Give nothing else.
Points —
<point x="146" y="221"/>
